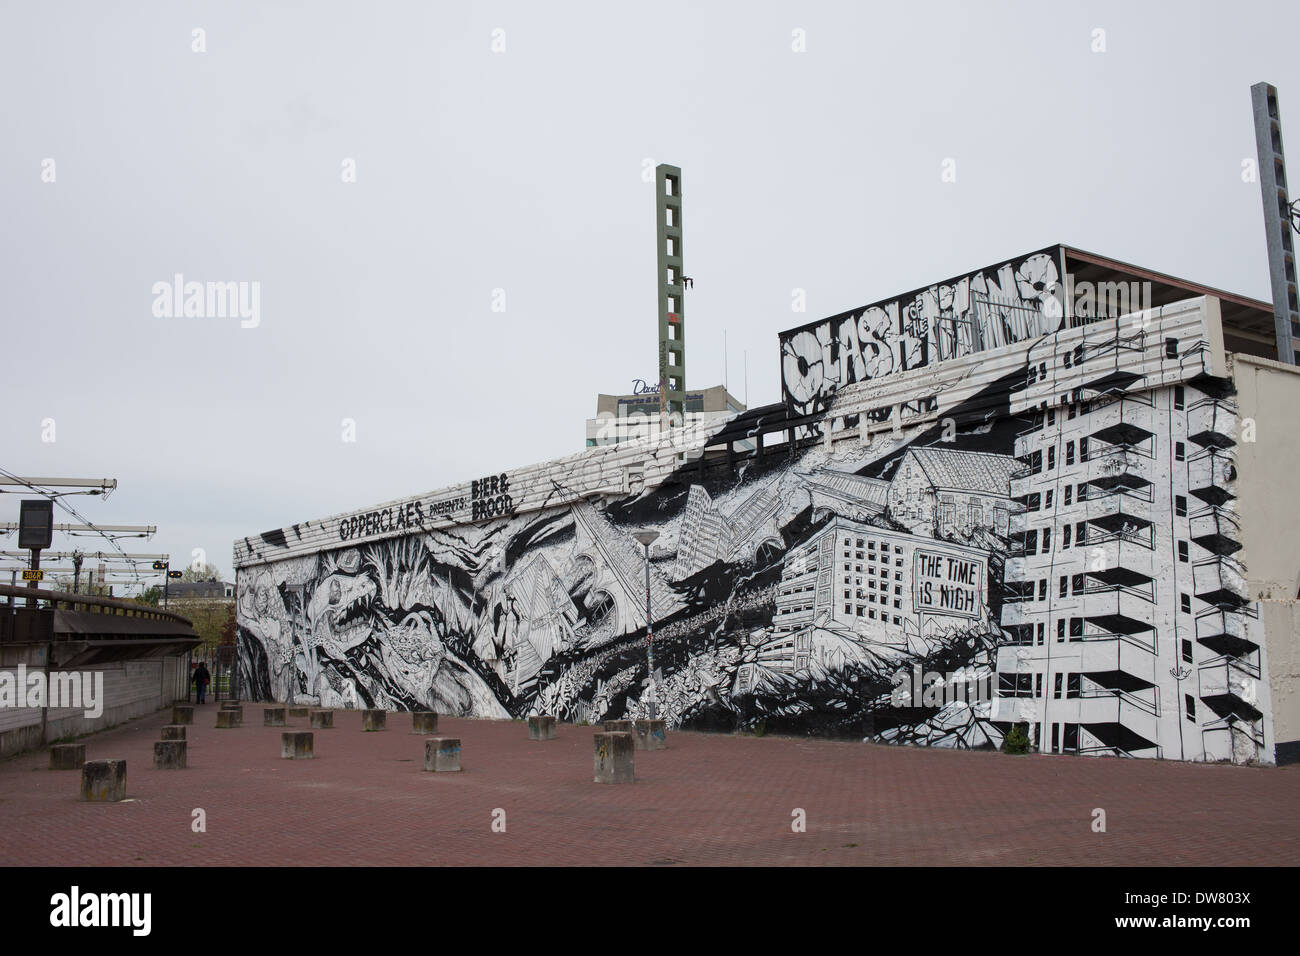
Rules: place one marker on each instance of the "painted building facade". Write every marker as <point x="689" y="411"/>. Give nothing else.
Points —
<point x="1047" y="503"/>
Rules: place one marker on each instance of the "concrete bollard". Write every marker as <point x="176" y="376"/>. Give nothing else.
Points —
<point x="299" y="711"/>
<point x="541" y="728"/>
<point x="229" y="719"/>
<point x="297" y="745"/>
<point x="182" y="713"/>
<point x="103" y="781"/>
<point x="651" y="735"/>
<point x="620" y="727"/>
<point x="273" y="717"/>
<point x="614" y="757"/>
<point x="424" y="722"/>
<point x="173" y="732"/>
<point x="230" y="705"/>
<point x="169" y="755"/>
<point x="442" y="754"/>
<point x="374" y="720"/>
<point x="322" y="719"/>
<point x="67" y="756"/>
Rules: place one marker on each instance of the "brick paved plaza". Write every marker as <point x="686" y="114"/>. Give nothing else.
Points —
<point x="707" y="800"/>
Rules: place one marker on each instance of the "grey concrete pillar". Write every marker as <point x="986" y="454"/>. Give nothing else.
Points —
<point x="173" y="732"/>
<point x="169" y="755"/>
<point x="541" y="728"/>
<point x="273" y="717"/>
<point x="230" y="719"/>
<point x="103" y="781"/>
<point x="424" y="722"/>
<point x="651" y="735"/>
<point x="299" y="711"/>
<point x="322" y="719"/>
<point x="182" y="713"/>
<point x="297" y="745"/>
<point x="614" y="757"/>
<point x="442" y="754"/>
<point x="620" y="726"/>
<point x="67" y="756"/>
<point x="374" y="720"/>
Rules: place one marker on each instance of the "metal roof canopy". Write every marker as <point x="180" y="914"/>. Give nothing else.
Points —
<point x="1247" y="322"/>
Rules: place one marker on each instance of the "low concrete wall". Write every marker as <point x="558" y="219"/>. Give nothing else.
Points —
<point x="131" y="689"/>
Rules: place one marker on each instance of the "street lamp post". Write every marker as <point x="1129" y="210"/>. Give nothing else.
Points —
<point x="647" y="538"/>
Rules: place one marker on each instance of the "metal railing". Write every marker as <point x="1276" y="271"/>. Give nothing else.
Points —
<point x="91" y="603"/>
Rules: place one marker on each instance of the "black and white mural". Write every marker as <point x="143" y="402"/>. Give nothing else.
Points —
<point x="1065" y="564"/>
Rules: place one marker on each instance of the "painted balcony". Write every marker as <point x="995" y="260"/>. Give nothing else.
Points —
<point x="1120" y="471"/>
<point x="1212" y="476"/>
<point x="1102" y="705"/>
<point x="1115" y="655"/>
<point x="1226" y="632"/>
<point x="1233" y="738"/>
<point x="1119" y="611"/>
<point x="1220" y="581"/>
<point x="1217" y="531"/>
<point x="1125" y="423"/>
<point x="1112" y="513"/>
<point x="1230" y="686"/>
<point x="1212" y="423"/>
<point x="1121" y="559"/>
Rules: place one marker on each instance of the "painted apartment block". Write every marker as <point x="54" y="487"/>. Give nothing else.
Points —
<point x="860" y="592"/>
<point x="1131" y="612"/>
<point x="1067" y="476"/>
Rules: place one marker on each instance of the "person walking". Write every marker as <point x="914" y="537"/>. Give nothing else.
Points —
<point x="202" y="677"/>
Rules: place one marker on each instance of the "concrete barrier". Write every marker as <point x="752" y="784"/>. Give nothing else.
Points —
<point x="541" y="728"/>
<point x="424" y="722"/>
<point x="374" y="720"/>
<point x="442" y="754"/>
<point x="614" y="757"/>
<point x="103" y="781"/>
<point x="182" y="713"/>
<point x="620" y="727"/>
<point x="229" y="719"/>
<point x="299" y="711"/>
<point x="322" y="719"/>
<point x="297" y="745"/>
<point x="67" y="756"/>
<point x="173" y="732"/>
<point x="169" y="755"/>
<point x="273" y="717"/>
<point x="651" y="735"/>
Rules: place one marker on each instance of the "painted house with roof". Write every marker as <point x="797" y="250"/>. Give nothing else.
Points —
<point x="940" y="491"/>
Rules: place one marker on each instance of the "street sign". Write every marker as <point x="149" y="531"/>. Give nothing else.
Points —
<point x="37" y="575"/>
<point x="35" y="524"/>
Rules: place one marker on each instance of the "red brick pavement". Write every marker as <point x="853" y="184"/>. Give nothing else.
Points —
<point x="707" y="800"/>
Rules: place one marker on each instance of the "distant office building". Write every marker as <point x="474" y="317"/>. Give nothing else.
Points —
<point x="621" y="418"/>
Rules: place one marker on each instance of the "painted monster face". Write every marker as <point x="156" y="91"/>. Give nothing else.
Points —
<point x="340" y="608"/>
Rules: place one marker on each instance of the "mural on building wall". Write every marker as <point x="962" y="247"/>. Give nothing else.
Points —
<point x="1071" y="568"/>
<point x="1013" y="302"/>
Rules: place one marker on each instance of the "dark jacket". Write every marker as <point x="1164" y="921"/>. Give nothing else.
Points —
<point x="202" y="676"/>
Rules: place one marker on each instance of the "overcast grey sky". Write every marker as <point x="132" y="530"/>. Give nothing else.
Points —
<point x="521" y="170"/>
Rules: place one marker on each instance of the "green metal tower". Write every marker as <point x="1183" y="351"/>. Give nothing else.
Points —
<point x="672" y="303"/>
